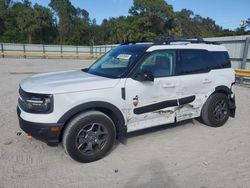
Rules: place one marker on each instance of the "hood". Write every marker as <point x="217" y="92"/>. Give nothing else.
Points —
<point x="66" y="81"/>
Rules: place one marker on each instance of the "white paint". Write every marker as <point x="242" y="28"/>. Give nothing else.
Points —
<point x="71" y="88"/>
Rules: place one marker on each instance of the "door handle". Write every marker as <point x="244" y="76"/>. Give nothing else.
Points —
<point x="206" y="81"/>
<point x="168" y="85"/>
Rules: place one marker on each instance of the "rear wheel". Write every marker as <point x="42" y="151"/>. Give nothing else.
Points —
<point x="89" y="136"/>
<point x="215" y="111"/>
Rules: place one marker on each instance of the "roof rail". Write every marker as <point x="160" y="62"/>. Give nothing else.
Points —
<point x="170" y="39"/>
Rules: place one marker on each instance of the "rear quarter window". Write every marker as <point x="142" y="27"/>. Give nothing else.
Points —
<point x="193" y="61"/>
<point x="219" y="60"/>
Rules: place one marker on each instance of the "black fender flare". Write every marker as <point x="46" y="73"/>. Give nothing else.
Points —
<point x="228" y="92"/>
<point x="223" y="89"/>
<point x="120" y="123"/>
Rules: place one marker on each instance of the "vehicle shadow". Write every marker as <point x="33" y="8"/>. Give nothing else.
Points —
<point x="149" y="131"/>
<point x="153" y="174"/>
<point x="159" y="128"/>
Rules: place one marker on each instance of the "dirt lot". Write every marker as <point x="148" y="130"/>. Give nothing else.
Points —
<point x="185" y="155"/>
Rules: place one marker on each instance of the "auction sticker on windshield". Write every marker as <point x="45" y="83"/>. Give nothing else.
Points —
<point x="124" y="56"/>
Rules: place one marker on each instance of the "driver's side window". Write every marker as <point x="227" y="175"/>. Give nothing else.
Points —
<point x="160" y="63"/>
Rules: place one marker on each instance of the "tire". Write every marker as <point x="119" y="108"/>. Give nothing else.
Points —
<point x="215" y="111"/>
<point x="89" y="136"/>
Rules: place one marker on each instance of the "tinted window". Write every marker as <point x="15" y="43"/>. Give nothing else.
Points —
<point x="219" y="60"/>
<point x="193" y="61"/>
<point x="161" y="63"/>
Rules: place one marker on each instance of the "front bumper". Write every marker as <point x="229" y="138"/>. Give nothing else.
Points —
<point x="40" y="131"/>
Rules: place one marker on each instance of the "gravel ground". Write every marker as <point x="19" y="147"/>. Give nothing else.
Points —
<point x="188" y="154"/>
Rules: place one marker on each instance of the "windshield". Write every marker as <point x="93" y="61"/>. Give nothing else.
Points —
<point x="116" y="62"/>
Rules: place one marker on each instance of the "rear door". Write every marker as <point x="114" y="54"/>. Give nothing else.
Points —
<point x="195" y="82"/>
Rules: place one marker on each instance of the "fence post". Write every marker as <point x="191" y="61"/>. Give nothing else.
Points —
<point x="44" y="56"/>
<point x="245" y="54"/>
<point x="92" y="51"/>
<point x="61" y="51"/>
<point x="2" y="50"/>
<point x="24" y="51"/>
<point x="77" y="52"/>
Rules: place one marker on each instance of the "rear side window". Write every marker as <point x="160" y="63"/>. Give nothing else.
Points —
<point x="200" y="61"/>
<point x="193" y="61"/>
<point x="219" y="60"/>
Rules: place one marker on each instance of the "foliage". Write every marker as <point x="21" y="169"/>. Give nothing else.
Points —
<point x="62" y="23"/>
<point x="195" y="25"/>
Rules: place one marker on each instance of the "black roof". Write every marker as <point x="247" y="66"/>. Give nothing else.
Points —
<point x="134" y="47"/>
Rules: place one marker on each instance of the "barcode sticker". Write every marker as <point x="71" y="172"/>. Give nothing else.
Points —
<point x="124" y="56"/>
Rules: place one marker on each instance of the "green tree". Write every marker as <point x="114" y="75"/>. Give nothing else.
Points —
<point x="73" y="22"/>
<point x="26" y="22"/>
<point x="148" y="20"/>
<point x="46" y="30"/>
<point x="65" y="11"/>
<point x="154" y="18"/>
<point x="194" y="25"/>
<point x="36" y="22"/>
<point x="12" y="33"/>
<point x="80" y="28"/>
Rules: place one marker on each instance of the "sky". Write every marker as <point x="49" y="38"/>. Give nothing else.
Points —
<point x="226" y="13"/>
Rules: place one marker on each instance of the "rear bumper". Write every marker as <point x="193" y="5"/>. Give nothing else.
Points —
<point x="40" y="131"/>
<point x="232" y="106"/>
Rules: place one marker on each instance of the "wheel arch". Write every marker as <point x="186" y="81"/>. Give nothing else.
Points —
<point x="223" y="89"/>
<point x="228" y="92"/>
<point x="109" y="109"/>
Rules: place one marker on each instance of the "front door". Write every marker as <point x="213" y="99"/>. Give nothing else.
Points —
<point x="151" y="103"/>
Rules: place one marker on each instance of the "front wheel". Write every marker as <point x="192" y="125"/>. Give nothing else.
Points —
<point x="215" y="111"/>
<point x="89" y="136"/>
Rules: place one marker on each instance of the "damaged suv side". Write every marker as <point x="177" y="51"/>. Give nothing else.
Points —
<point x="132" y="87"/>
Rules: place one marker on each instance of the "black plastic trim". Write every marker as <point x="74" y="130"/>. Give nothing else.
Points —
<point x="156" y="106"/>
<point x="123" y="93"/>
<point x="164" y="104"/>
<point x="225" y="89"/>
<point x="232" y="107"/>
<point x="120" y="124"/>
<point x="40" y="131"/>
<point x="168" y="40"/>
<point x="186" y="100"/>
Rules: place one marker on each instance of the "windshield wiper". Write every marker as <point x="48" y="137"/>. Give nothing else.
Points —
<point x="85" y="69"/>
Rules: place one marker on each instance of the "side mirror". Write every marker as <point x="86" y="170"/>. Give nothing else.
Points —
<point x="144" y="75"/>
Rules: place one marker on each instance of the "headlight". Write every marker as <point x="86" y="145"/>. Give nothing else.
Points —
<point x="35" y="103"/>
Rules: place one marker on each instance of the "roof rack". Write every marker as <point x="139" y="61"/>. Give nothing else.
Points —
<point x="130" y="42"/>
<point x="141" y="40"/>
<point x="170" y="39"/>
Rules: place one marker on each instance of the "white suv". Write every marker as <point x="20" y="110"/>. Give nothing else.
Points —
<point x="132" y="87"/>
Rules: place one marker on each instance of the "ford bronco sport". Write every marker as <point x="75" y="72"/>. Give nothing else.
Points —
<point x="132" y="87"/>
